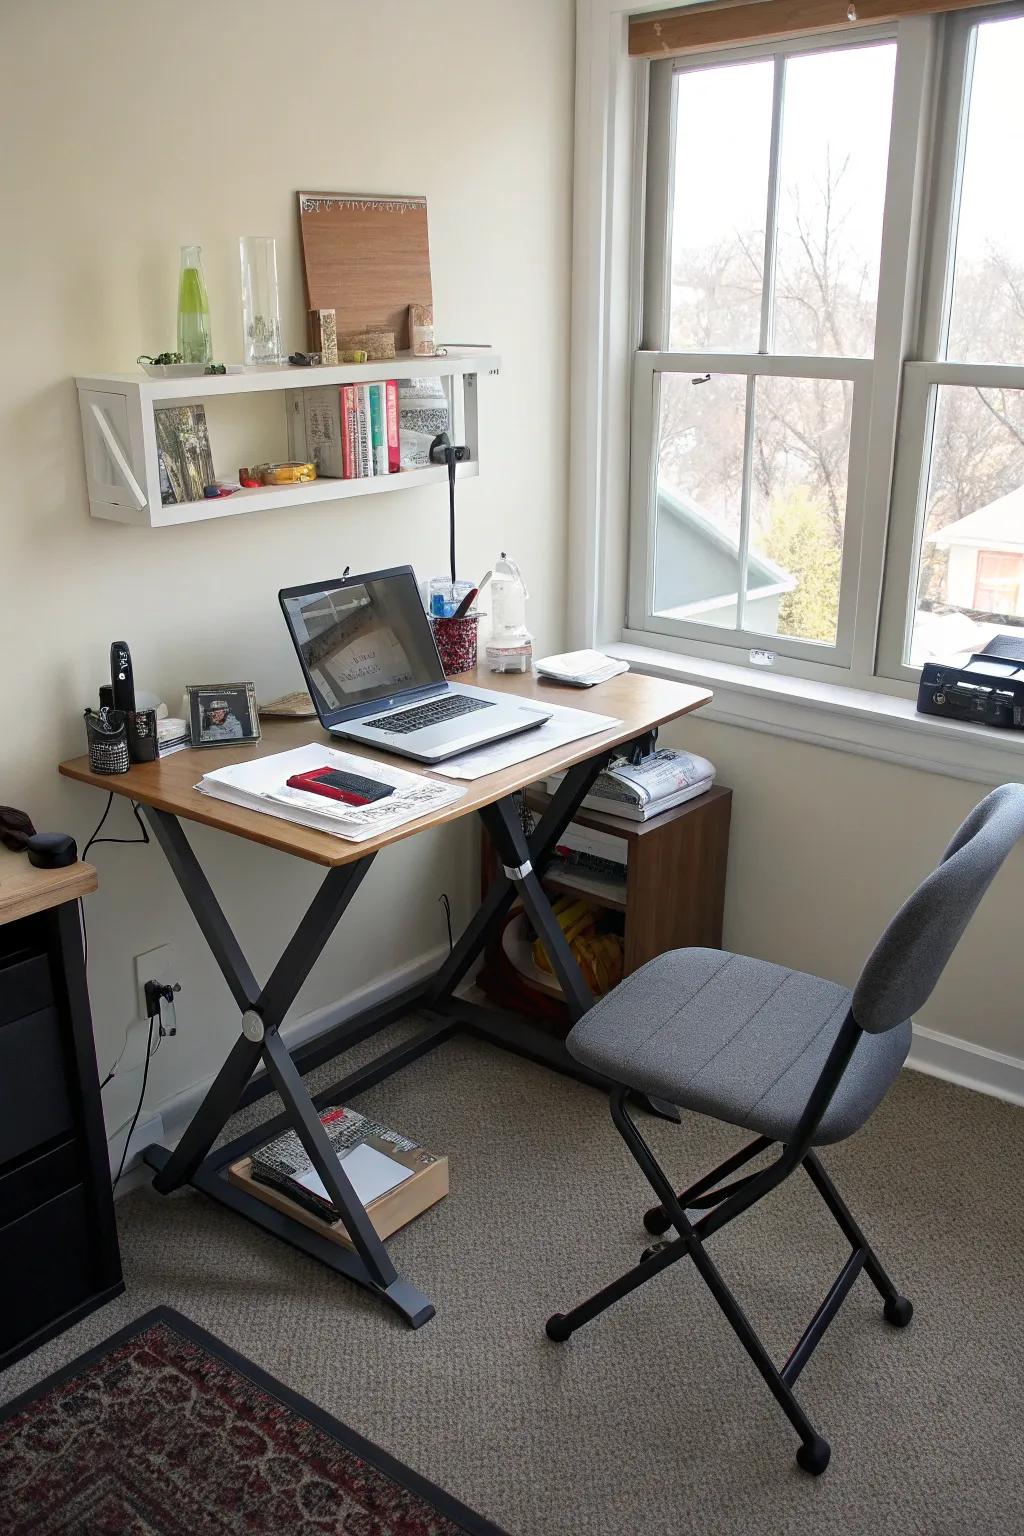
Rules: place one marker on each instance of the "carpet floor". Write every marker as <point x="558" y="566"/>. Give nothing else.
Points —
<point x="651" y="1420"/>
<point x="217" y="1446"/>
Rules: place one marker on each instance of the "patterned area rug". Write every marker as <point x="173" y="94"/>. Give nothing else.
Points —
<point x="164" y="1431"/>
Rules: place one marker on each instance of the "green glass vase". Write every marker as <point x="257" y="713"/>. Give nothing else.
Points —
<point x="194" y="341"/>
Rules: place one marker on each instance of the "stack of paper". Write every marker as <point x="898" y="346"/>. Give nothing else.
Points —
<point x="582" y="669"/>
<point x="261" y="785"/>
<point x="657" y="783"/>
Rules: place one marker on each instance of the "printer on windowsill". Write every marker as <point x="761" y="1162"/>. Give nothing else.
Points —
<point x="988" y="689"/>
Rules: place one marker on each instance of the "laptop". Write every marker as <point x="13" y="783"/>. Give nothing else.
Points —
<point x="367" y="653"/>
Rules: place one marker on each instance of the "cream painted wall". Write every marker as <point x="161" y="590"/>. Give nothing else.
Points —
<point x="130" y="129"/>
<point x="825" y="847"/>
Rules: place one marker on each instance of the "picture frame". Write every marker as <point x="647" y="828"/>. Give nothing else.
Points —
<point x="222" y="714"/>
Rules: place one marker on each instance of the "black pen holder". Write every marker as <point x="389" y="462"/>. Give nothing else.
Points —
<point x="107" y="738"/>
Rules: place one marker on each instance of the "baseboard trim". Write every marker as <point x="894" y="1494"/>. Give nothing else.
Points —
<point x="177" y="1111"/>
<point x="969" y="1066"/>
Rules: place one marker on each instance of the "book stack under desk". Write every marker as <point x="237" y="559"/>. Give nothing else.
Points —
<point x="280" y="1174"/>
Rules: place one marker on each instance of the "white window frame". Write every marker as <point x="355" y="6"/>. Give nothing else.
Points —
<point x="923" y="375"/>
<point x="875" y="380"/>
<point x="856" y="710"/>
<point x="649" y="367"/>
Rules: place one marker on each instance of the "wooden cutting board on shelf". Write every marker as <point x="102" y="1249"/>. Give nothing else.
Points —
<point x="367" y="258"/>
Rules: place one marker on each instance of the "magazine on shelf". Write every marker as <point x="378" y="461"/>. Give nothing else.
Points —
<point x="638" y="791"/>
<point x="261" y="784"/>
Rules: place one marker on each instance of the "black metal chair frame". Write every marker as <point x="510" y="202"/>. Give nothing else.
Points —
<point x="723" y="1205"/>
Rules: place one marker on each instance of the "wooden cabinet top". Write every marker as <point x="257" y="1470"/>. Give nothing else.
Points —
<point x="25" y="889"/>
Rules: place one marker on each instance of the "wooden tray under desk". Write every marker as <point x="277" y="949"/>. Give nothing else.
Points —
<point x="397" y="1208"/>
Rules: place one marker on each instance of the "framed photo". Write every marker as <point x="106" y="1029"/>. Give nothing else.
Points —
<point x="220" y="714"/>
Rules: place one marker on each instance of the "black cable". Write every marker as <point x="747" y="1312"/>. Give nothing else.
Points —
<point x="99" y="827"/>
<point x="138" y="1107"/>
<point x="95" y="838"/>
<point x="443" y="899"/>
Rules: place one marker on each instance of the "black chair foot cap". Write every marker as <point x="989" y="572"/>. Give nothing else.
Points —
<point x="557" y="1328"/>
<point x="656" y="1221"/>
<point x="898" y="1311"/>
<point x="813" y="1456"/>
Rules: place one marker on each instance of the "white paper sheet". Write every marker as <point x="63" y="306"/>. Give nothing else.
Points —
<point x="565" y="725"/>
<point x="369" y="1171"/>
<point x="259" y="784"/>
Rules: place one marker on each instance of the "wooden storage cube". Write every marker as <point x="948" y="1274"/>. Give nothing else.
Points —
<point x="674" y="894"/>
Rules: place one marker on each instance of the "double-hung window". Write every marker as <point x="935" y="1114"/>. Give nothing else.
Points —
<point x="828" y="399"/>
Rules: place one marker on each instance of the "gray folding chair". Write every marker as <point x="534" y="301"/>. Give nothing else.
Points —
<point x="795" y="1059"/>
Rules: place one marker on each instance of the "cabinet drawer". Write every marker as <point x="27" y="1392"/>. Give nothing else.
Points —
<point x="46" y="1265"/>
<point x="33" y="1183"/>
<point x="35" y="1106"/>
<point x="25" y="985"/>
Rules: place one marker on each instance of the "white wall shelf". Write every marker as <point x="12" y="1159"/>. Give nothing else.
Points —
<point x="119" y="434"/>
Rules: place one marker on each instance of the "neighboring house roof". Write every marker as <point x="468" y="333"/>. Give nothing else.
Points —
<point x="764" y="577"/>
<point x="999" y="526"/>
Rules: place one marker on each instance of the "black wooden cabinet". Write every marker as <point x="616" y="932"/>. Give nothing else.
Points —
<point x="58" y="1241"/>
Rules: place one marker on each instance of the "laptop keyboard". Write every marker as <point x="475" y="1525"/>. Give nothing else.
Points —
<point x="448" y="708"/>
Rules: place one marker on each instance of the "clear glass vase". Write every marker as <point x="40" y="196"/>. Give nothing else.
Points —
<point x="261" y="315"/>
<point x="194" y="342"/>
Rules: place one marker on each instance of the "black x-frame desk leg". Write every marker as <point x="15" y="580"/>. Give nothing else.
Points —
<point x="262" y="1013"/>
<point x="524" y="860"/>
<point x="263" y="1010"/>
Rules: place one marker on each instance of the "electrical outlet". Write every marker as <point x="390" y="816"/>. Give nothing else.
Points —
<point x="159" y="964"/>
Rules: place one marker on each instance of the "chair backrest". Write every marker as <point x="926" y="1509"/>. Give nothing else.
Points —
<point x="911" y="955"/>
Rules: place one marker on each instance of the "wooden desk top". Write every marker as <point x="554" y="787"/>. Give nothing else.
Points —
<point x="169" y="784"/>
<point x="25" y="889"/>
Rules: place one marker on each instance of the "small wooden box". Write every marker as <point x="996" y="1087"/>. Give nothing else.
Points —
<point x="428" y="1185"/>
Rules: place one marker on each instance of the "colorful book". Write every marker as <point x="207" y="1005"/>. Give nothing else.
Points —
<point x="391" y="423"/>
<point x="365" y="441"/>
<point x="377" y="430"/>
<point x="348" y="406"/>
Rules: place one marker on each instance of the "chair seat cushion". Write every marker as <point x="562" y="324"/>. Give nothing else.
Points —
<point x="738" y="1039"/>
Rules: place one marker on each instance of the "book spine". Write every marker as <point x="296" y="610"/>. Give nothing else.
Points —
<point x="365" y="439"/>
<point x="346" y="430"/>
<point x="391" y="414"/>
<point x="380" y="452"/>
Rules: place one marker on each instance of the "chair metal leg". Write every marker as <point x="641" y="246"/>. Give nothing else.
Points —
<point x="814" y="1451"/>
<point x="657" y="1219"/>
<point x="897" y="1310"/>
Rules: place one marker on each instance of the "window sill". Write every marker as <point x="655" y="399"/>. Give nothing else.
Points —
<point x="842" y="718"/>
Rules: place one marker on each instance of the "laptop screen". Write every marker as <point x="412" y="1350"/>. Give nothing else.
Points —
<point x="362" y="640"/>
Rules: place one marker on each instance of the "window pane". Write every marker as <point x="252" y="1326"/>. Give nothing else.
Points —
<point x="835" y="148"/>
<point x="987" y="315"/>
<point x="798" y="506"/>
<point x="723" y="134"/>
<point x="700" y="476"/>
<point x="970" y="582"/>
